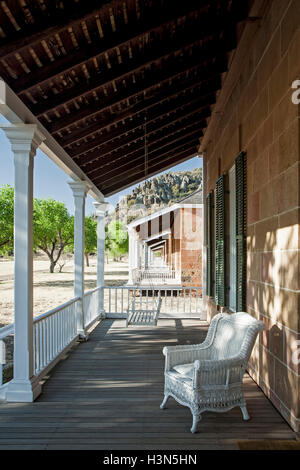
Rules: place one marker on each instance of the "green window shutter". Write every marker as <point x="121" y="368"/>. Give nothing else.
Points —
<point x="209" y="289"/>
<point x="220" y="242"/>
<point x="241" y="229"/>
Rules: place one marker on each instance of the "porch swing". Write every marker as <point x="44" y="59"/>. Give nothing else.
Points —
<point x="138" y="313"/>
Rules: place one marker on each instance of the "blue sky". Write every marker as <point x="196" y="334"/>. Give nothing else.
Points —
<point x="51" y="181"/>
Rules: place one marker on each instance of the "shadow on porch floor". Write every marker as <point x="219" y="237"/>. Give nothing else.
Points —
<point x="106" y="395"/>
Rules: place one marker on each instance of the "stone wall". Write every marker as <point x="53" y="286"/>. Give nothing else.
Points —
<point x="260" y="118"/>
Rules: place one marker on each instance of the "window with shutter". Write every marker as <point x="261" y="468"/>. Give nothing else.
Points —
<point x="241" y="229"/>
<point x="209" y="289"/>
<point x="232" y="240"/>
<point x="220" y="242"/>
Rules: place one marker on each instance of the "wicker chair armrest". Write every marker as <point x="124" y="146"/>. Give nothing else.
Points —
<point x="221" y="364"/>
<point x="213" y="374"/>
<point x="184" y="354"/>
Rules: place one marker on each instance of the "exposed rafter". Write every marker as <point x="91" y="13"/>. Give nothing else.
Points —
<point x="178" y="95"/>
<point x="196" y="111"/>
<point x="125" y="71"/>
<point x="152" y="84"/>
<point x="158" y="153"/>
<point x="91" y="72"/>
<point x="80" y="57"/>
<point x="53" y="21"/>
<point x="130" y="158"/>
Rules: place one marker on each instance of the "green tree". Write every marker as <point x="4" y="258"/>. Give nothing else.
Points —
<point x="6" y="219"/>
<point x="118" y="239"/>
<point x="53" y="228"/>
<point x="90" y="237"/>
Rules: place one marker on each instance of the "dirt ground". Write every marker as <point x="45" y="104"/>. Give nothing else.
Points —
<point x="51" y="290"/>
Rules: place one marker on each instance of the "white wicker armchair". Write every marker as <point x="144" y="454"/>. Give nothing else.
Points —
<point x="208" y="376"/>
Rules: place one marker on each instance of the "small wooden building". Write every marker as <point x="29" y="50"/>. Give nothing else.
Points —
<point x="165" y="247"/>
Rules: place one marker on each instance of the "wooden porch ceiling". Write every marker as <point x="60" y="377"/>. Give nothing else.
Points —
<point x="94" y="72"/>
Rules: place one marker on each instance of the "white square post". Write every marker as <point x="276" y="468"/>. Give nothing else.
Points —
<point x="24" y="139"/>
<point x="131" y="255"/>
<point x="101" y="208"/>
<point x="145" y="255"/>
<point x="79" y="189"/>
<point x="138" y="256"/>
<point x="204" y="243"/>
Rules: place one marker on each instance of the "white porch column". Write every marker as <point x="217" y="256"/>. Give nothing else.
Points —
<point x="138" y="253"/>
<point x="131" y="248"/>
<point x="100" y="213"/>
<point x="24" y="139"/>
<point x="150" y="257"/>
<point x="134" y="251"/>
<point x="145" y="256"/>
<point x="204" y="242"/>
<point x="79" y="189"/>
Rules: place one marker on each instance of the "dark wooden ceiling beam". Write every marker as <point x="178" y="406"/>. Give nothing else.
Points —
<point x="127" y="69"/>
<point x="54" y="22"/>
<point x="151" y="107"/>
<point x="110" y="158"/>
<point x="120" y="177"/>
<point x="152" y="126"/>
<point x="110" y="163"/>
<point x="154" y="80"/>
<point x="158" y="155"/>
<point x="196" y="111"/>
<point x="173" y="160"/>
<point x="178" y="95"/>
<point x="138" y="158"/>
<point x="81" y="56"/>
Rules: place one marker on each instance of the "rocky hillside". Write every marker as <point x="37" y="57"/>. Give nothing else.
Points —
<point x="158" y="192"/>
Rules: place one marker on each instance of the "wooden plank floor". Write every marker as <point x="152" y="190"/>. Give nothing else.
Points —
<point x="106" y="395"/>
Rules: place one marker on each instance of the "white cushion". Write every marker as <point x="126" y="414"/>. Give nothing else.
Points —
<point x="185" y="369"/>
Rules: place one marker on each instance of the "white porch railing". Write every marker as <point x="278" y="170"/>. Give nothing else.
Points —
<point x="5" y="333"/>
<point x="176" y="302"/>
<point x="157" y="276"/>
<point x="91" y="305"/>
<point x="53" y="333"/>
